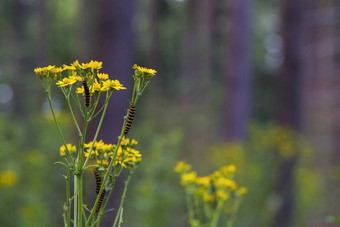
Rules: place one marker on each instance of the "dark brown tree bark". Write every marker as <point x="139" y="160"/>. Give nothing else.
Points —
<point x="289" y="100"/>
<point x="238" y="72"/>
<point x="113" y="45"/>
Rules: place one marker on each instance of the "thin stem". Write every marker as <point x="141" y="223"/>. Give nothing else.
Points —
<point x="189" y="204"/>
<point x="231" y="220"/>
<point x="68" y="202"/>
<point x="80" y="199"/>
<point x="122" y="201"/>
<point x="75" y="202"/>
<point x="74" y="118"/>
<point x="59" y="130"/>
<point x="98" y="128"/>
<point x="216" y="214"/>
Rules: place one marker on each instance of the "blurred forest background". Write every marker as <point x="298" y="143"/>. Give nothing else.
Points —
<point x="250" y="83"/>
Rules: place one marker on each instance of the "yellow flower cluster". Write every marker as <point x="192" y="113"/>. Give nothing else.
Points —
<point x="126" y="155"/>
<point x="7" y="178"/>
<point x="218" y="185"/>
<point x="70" y="147"/>
<point x="79" y="72"/>
<point x="142" y="72"/>
<point x="285" y="140"/>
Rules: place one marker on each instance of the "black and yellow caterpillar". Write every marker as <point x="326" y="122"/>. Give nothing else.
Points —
<point x="87" y="93"/>
<point x="130" y="118"/>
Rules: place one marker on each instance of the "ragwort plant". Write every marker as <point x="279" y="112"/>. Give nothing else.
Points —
<point x="83" y="86"/>
<point x="207" y="196"/>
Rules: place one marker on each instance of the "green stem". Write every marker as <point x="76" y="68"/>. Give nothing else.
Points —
<point x="122" y="201"/>
<point x="231" y="220"/>
<point x="98" y="128"/>
<point x="189" y="203"/>
<point x="74" y="118"/>
<point x="216" y="214"/>
<point x="59" y="130"/>
<point x="75" y="202"/>
<point x="80" y="199"/>
<point x="68" y="202"/>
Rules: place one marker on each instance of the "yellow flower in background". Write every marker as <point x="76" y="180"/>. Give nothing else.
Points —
<point x="228" y="171"/>
<point x="182" y="167"/>
<point x="188" y="178"/>
<point x="102" y="76"/>
<point x="103" y="162"/>
<point x="112" y="84"/>
<point x="226" y="183"/>
<point x="204" y="181"/>
<point x="70" y="147"/>
<point x="242" y="191"/>
<point x="208" y="198"/>
<point x="222" y="195"/>
<point x="8" y="178"/>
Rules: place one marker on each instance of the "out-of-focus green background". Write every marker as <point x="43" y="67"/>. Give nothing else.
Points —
<point x="250" y="83"/>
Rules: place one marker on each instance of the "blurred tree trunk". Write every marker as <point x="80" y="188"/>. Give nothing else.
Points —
<point x="289" y="100"/>
<point x="196" y="75"/>
<point x="112" y="43"/>
<point x="196" y="63"/>
<point x="16" y="55"/>
<point x="238" y="72"/>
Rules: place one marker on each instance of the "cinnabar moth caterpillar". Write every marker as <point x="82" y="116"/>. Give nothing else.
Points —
<point x="87" y="93"/>
<point x="98" y="180"/>
<point x="130" y="118"/>
<point x="100" y="200"/>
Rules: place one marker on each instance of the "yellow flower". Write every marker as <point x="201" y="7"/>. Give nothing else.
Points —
<point x="222" y="195"/>
<point x="56" y="70"/>
<point x="38" y="71"/>
<point x="225" y="183"/>
<point x="75" y="64"/>
<point x="94" y="65"/>
<point x="75" y="77"/>
<point x="182" y="167"/>
<point x="45" y="71"/>
<point x="208" y="198"/>
<point x="125" y="142"/>
<point x="188" y="178"/>
<point x="103" y="162"/>
<point x="242" y="191"/>
<point x="204" y="181"/>
<point x="228" y="170"/>
<point x="66" y="82"/>
<point x="8" y="178"/>
<point x="96" y="86"/>
<point x="69" y="67"/>
<point x="112" y="85"/>
<point x="144" y="72"/>
<point x="134" y="142"/>
<point x="70" y="147"/>
<point x="103" y="76"/>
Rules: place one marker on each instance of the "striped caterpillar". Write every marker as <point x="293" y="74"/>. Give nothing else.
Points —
<point x="130" y="118"/>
